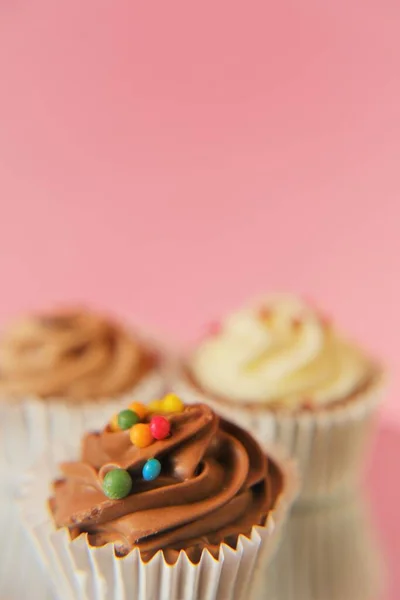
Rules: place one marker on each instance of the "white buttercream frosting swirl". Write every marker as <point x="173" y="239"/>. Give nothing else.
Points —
<point x="279" y="351"/>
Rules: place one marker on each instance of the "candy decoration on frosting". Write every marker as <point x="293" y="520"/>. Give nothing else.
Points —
<point x="172" y="403"/>
<point x="141" y="436"/>
<point x="127" y="419"/>
<point x="117" y="484"/>
<point x="140" y="409"/>
<point x="114" y="423"/>
<point x="156" y="406"/>
<point x="160" y="427"/>
<point x="151" y="469"/>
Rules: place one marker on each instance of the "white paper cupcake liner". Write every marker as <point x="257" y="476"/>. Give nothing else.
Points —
<point x="80" y="571"/>
<point x="330" y="553"/>
<point x="31" y="425"/>
<point x="328" y="444"/>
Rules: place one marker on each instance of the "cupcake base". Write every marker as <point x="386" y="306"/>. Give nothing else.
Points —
<point x="78" y="570"/>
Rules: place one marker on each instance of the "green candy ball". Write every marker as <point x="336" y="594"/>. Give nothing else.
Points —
<point x="117" y="484"/>
<point x="127" y="419"/>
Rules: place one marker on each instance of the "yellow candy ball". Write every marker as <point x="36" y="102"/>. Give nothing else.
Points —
<point x="140" y="435"/>
<point x="172" y="403"/>
<point x="156" y="406"/>
<point x="114" y="423"/>
<point x="140" y="409"/>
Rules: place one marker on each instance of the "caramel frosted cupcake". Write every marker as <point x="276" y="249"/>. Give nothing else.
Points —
<point x="61" y="373"/>
<point x="174" y="505"/>
<point x="283" y="371"/>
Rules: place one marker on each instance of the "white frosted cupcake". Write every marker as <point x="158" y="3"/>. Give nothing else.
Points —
<point x="287" y="375"/>
<point x="178" y="505"/>
<point x="60" y="374"/>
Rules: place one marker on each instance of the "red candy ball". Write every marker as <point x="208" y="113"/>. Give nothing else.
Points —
<point x="159" y="427"/>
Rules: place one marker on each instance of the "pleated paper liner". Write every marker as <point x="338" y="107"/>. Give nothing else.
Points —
<point x="328" y="444"/>
<point x="78" y="570"/>
<point x="329" y="553"/>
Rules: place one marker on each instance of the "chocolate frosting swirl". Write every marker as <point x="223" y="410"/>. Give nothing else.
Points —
<point x="74" y="353"/>
<point x="215" y="484"/>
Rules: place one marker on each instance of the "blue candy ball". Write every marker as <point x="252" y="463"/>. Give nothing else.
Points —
<point x="151" y="469"/>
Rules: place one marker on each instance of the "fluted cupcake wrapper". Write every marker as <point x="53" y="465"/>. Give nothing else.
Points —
<point x="80" y="571"/>
<point x="330" y="552"/>
<point x="328" y="443"/>
<point x="31" y="425"/>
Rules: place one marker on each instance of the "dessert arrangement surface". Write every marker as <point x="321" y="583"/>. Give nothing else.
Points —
<point x="133" y="469"/>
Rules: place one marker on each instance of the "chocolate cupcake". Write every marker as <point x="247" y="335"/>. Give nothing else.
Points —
<point x="61" y="373"/>
<point x="284" y="372"/>
<point x="175" y="505"/>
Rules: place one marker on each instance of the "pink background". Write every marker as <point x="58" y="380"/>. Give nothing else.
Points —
<point x="167" y="160"/>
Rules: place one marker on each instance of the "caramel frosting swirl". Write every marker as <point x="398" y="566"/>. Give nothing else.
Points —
<point x="75" y="354"/>
<point x="215" y="484"/>
<point x="279" y="352"/>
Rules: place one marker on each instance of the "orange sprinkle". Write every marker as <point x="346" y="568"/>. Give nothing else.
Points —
<point x="140" y="435"/>
<point x="140" y="409"/>
<point x="114" y="423"/>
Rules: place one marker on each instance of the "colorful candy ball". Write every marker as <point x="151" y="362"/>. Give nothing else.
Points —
<point x="117" y="484"/>
<point x="172" y="403"/>
<point x="156" y="406"/>
<point x="140" y="409"/>
<point x="160" y="427"/>
<point x="151" y="469"/>
<point x="114" y="423"/>
<point x="141" y="436"/>
<point x="127" y="419"/>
